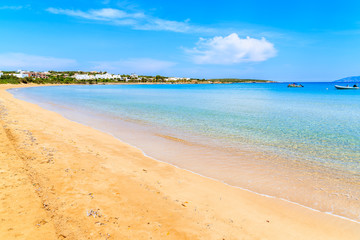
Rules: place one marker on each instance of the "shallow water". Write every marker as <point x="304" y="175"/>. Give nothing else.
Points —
<point x="301" y="144"/>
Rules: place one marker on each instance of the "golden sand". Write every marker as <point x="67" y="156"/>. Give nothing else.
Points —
<point x="63" y="180"/>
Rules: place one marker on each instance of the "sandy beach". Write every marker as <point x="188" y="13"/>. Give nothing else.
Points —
<point x="63" y="180"/>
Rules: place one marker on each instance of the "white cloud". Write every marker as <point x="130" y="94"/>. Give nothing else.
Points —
<point x="138" y="65"/>
<point x="135" y="19"/>
<point x="108" y="13"/>
<point x="33" y="62"/>
<point x="231" y="49"/>
<point x="104" y="14"/>
<point x="166" y="25"/>
<point x="11" y="7"/>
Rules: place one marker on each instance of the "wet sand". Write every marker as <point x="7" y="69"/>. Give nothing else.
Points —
<point x="60" y="179"/>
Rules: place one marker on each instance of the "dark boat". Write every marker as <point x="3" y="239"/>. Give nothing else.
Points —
<point x="295" y="85"/>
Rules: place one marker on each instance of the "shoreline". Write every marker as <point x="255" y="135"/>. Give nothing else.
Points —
<point x="227" y="184"/>
<point x="309" y="184"/>
<point x="230" y="194"/>
<point x="212" y="178"/>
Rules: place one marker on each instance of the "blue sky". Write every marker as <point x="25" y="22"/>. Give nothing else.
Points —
<point x="277" y="40"/>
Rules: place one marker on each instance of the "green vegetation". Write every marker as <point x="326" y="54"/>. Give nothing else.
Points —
<point x="52" y="80"/>
<point x="9" y="79"/>
<point x="68" y="77"/>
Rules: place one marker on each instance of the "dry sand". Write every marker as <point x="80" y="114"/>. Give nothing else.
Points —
<point x="63" y="180"/>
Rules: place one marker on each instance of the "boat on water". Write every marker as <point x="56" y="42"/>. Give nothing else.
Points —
<point x="347" y="87"/>
<point x="295" y="85"/>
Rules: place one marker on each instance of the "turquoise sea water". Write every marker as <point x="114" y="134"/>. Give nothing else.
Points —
<point x="315" y="125"/>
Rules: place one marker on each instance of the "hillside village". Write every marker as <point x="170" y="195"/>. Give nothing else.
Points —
<point x="95" y="77"/>
<point x="89" y="77"/>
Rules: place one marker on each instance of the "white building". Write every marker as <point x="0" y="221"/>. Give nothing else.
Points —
<point x="81" y="76"/>
<point x="1" y="73"/>
<point x="97" y="76"/>
<point x="177" y="79"/>
<point x="117" y="76"/>
<point x="134" y="76"/>
<point x="20" y="75"/>
<point x="104" y="76"/>
<point x="173" y="79"/>
<point x="84" y="77"/>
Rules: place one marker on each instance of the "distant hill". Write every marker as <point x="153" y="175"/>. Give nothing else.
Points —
<point x="237" y="80"/>
<point x="349" y="79"/>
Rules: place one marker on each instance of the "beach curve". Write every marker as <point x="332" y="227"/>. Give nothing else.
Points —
<point x="94" y="186"/>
